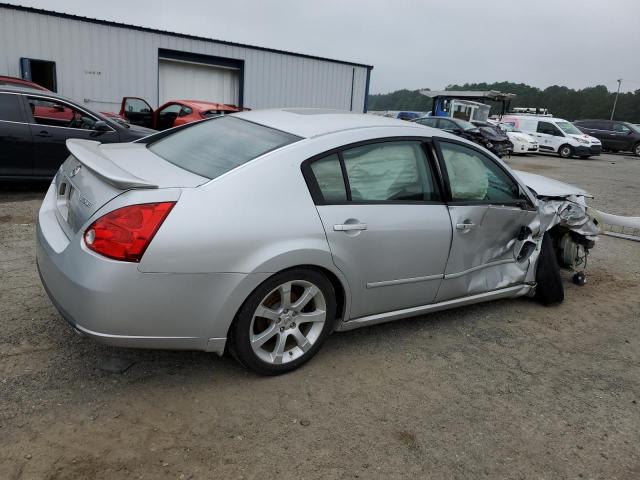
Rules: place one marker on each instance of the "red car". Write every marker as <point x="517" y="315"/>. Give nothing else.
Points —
<point x="19" y="82"/>
<point x="172" y="114"/>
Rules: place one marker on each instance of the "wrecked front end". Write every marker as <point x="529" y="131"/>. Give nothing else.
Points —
<point x="564" y="215"/>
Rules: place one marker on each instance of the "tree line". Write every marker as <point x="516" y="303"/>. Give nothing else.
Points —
<point x="563" y="102"/>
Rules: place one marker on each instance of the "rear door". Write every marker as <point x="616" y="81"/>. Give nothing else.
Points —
<point x="387" y="227"/>
<point x="16" y="146"/>
<point x="488" y="213"/>
<point x="137" y="111"/>
<point x="52" y="122"/>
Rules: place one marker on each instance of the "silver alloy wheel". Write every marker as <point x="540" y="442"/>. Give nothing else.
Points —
<point x="637" y="150"/>
<point x="565" y="152"/>
<point x="287" y="322"/>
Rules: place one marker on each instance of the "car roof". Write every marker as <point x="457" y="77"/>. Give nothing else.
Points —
<point x="15" y="81"/>
<point x="313" y="122"/>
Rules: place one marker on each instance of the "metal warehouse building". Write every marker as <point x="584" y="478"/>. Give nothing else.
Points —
<point x="98" y="62"/>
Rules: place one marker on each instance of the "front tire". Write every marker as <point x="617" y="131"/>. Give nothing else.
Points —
<point x="284" y="322"/>
<point x="549" y="289"/>
<point x="636" y="149"/>
<point x="565" y="151"/>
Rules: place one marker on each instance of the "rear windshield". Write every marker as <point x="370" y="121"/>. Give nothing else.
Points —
<point x="214" y="147"/>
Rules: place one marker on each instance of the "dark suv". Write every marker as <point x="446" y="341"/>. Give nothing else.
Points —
<point x="34" y="126"/>
<point x="614" y="135"/>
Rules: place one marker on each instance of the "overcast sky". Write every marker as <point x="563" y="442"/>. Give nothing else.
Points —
<point x="411" y="43"/>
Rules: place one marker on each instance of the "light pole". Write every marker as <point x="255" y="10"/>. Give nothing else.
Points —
<point x="616" y="100"/>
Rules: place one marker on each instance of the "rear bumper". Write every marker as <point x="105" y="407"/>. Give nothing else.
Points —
<point x="116" y="304"/>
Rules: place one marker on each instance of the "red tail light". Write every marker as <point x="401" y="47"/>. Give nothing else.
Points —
<point x="125" y="234"/>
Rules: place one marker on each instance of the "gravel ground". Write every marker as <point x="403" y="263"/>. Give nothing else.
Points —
<point x="507" y="389"/>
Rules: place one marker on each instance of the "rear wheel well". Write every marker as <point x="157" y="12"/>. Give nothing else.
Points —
<point x="335" y="283"/>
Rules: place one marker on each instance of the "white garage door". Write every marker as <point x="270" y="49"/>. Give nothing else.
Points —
<point x="194" y="81"/>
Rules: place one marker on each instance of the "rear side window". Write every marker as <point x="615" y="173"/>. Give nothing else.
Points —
<point x="396" y="171"/>
<point x="10" y="108"/>
<point x="217" y="146"/>
<point x="389" y="171"/>
<point x="328" y="174"/>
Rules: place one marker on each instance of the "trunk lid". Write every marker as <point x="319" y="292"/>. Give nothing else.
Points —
<point x="94" y="174"/>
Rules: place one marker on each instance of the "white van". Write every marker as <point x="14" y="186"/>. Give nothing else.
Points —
<point x="556" y="135"/>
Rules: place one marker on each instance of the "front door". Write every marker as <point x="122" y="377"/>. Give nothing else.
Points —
<point x="550" y="138"/>
<point x="388" y="230"/>
<point x="16" y="147"/>
<point x="621" y="137"/>
<point x="492" y="220"/>
<point x="137" y="111"/>
<point x="52" y="122"/>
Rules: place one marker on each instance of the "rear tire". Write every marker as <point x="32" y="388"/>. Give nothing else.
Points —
<point x="284" y="322"/>
<point x="565" y="151"/>
<point x="549" y="289"/>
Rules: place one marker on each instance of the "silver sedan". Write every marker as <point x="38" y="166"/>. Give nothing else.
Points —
<point x="260" y="233"/>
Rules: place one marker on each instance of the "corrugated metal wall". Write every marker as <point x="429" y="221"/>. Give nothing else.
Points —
<point x="99" y="64"/>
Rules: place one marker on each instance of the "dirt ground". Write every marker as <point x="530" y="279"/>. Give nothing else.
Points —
<point x="507" y="389"/>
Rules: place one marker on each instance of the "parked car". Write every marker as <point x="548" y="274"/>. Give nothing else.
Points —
<point x="522" y="142"/>
<point x="171" y="114"/>
<point x="556" y="135"/>
<point x="488" y="138"/>
<point x="499" y="140"/>
<point x="409" y="115"/>
<point x="262" y="232"/>
<point x="34" y="126"/>
<point x="614" y="135"/>
<point x="19" y="82"/>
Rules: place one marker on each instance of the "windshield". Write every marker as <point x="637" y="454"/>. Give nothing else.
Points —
<point x="567" y="127"/>
<point x="217" y="146"/>
<point x="633" y="127"/>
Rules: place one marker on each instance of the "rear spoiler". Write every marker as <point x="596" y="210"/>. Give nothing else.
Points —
<point x="88" y="153"/>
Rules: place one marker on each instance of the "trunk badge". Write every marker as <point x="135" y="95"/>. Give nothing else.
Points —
<point x="75" y="171"/>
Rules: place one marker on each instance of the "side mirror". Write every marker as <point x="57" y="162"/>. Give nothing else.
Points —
<point x="101" y="126"/>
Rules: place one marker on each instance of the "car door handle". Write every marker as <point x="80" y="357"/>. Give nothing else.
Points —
<point x="43" y="133"/>
<point x="467" y="225"/>
<point x="349" y="227"/>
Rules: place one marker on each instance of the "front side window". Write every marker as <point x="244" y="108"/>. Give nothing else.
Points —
<point x="389" y="171"/>
<point x="549" y="129"/>
<point x="620" y="128"/>
<point x="217" y="146"/>
<point x="476" y="178"/>
<point x="10" y="108"/>
<point x="136" y="105"/>
<point x="55" y="113"/>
